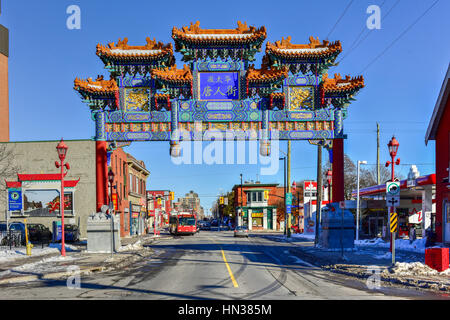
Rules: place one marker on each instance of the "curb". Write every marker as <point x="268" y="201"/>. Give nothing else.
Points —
<point x="51" y="276"/>
<point x="429" y="285"/>
<point x="139" y="254"/>
<point x="419" y="284"/>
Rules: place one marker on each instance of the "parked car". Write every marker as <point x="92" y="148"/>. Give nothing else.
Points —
<point x="39" y="233"/>
<point x="206" y="226"/>
<point x="214" y="223"/>
<point x="241" y="231"/>
<point x="224" y="226"/>
<point x="71" y="233"/>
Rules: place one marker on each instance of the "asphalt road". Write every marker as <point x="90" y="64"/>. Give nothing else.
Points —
<point x="212" y="265"/>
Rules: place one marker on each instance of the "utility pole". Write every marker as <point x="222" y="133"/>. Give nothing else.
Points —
<point x="378" y="155"/>
<point x="288" y="183"/>
<point x="319" y="191"/>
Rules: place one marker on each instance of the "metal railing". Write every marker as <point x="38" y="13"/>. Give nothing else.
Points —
<point x="16" y="239"/>
<point x="11" y="239"/>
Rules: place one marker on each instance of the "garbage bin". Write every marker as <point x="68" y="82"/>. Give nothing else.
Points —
<point x="437" y="258"/>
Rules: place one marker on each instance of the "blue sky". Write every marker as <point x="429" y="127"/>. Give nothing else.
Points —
<point x="402" y="85"/>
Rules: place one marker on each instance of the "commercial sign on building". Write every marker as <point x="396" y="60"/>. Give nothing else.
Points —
<point x="257" y="215"/>
<point x="14" y="199"/>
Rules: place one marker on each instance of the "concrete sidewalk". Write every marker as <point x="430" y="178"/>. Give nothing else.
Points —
<point x="78" y="261"/>
<point x="364" y="262"/>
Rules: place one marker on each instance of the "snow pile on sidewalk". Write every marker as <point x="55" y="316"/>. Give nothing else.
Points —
<point x="41" y="266"/>
<point x="400" y="244"/>
<point x="414" y="269"/>
<point x="10" y="255"/>
<point x="303" y="236"/>
<point x="135" y="246"/>
<point x="68" y="247"/>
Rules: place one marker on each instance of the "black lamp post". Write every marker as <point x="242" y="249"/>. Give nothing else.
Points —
<point x="329" y="180"/>
<point x="111" y="181"/>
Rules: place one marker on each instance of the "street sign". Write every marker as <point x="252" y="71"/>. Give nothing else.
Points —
<point x="394" y="222"/>
<point x="14" y="199"/>
<point x="289" y="198"/>
<point x="288" y="208"/>
<point x="393" y="188"/>
<point x="392" y="201"/>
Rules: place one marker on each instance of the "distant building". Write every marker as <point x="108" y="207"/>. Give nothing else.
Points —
<point x="163" y="206"/>
<point x="191" y="202"/>
<point x="137" y="181"/>
<point x="254" y="210"/>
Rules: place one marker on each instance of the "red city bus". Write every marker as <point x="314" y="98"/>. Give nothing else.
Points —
<point x="183" y="224"/>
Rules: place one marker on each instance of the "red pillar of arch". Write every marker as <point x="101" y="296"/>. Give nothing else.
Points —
<point x="338" y="170"/>
<point x="101" y="173"/>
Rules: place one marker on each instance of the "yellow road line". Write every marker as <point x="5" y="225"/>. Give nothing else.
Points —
<point x="228" y="266"/>
<point x="229" y="270"/>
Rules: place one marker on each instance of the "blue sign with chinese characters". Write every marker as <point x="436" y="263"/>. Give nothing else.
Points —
<point x="219" y="86"/>
<point x="14" y="199"/>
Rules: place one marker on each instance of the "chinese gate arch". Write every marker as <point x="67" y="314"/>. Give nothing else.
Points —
<point x="148" y="98"/>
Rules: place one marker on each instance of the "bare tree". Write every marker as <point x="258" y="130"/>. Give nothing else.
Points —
<point x="349" y="176"/>
<point x="368" y="177"/>
<point x="8" y="169"/>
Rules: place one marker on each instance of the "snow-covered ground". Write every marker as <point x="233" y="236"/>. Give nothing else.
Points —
<point x="44" y="265"/>
<point x="416" y="269"/>
<point x="136" y="246"/>
<point x="303" y="236"/>
<point x="400" y="244"/>
<point x="10" y="255"/>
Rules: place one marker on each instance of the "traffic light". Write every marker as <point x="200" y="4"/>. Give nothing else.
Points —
<point x="221" y="200"/>
<point x="172" y="195"/>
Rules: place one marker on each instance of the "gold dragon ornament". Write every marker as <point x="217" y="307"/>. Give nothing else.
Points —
<point x="137" y="99"/>
<point x="297" y="97"/>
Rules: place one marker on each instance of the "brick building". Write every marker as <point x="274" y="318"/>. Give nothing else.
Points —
<point x="119" y="165"/>
<point x="137" y="186"/>
<point x="439" y="130"/>
<point x="164" y="207"/>
<point x="259" y="213"/>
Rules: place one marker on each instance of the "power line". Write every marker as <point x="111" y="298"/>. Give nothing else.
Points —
<point x="339" y="19"/>
<point x="357" y="38"/>
<point x="401" y="35"/>
<point x="368" y="33"/>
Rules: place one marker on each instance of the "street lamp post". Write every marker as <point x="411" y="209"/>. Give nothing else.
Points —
<point x="111" y="206"/>
<point x="293" y="190"/>
<point x="329" y="180"/>
<point x="242" y="202"/>
<point x="285" y="207"/>
<point x="61" y="148"/>
<point x="393" y="148"/>
<point x="357" y="199"/>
